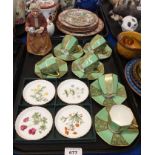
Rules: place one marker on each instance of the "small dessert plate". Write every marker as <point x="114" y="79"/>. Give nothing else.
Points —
<point x="73" y="121"/>
<point x="106" y="132"/>
<point x="72" y="91"/>
<point x="33" y="123"/>
<point x="38" y="92"/>
<point x="108" y="91"/>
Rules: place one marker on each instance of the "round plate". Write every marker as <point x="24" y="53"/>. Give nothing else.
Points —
<point x="38" y="92"/>
<point x="72" y="91"/>
<point x="73" y="121"/>
<point x="97" y="30"/>
<point x="124" y="138"/>
<point x="34" y="123"/>
<point x="78" y="18"/>
<point x="128" y="68"/>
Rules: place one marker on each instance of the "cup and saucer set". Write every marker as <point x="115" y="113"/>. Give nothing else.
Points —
<point x="115" y="123"/>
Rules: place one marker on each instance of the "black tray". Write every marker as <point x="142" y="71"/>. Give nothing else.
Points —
<point x="58" y="34"/>
<point x="111" y="66"/>
<point x="114" y="26"/>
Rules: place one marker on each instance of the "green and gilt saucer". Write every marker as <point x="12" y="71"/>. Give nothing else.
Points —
<point x="123" y="138"/>
<point x="51" y="67"/>
<point x="64" y="54"/>
<point x="108" y="83"/>
<point x="90" y="75"/>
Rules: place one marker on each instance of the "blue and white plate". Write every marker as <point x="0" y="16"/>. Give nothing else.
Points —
<point x="128" y="70"/>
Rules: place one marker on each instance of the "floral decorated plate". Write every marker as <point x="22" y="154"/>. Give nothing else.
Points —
<point x="34" y="123"/>
<point x="73" y="121"/>
<point x="38" y="92"/>
<point x="72" y="91"/>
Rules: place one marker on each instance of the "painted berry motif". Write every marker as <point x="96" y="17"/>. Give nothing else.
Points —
<point x="38" y="94"/>
<point x="72" y="122"/>
<point x="23" y="127"/>
<point x="32" y="131"/>
<point x="26" y="119"/>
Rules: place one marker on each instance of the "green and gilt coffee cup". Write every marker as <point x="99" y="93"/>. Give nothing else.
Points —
<point x="69" y="43"/>
<point x="120" y="118"/>
<point x="49" y="66"/>
<point x="97" y="44"/>
<point x="88" y="62"/>
<point x="109" y="84"/>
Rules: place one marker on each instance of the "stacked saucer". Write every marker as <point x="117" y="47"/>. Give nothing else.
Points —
<point x="79" y="22"/>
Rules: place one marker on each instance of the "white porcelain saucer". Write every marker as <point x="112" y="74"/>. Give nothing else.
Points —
<point x="38" y="92"/>
<point x="73" y="121"/>
<point x="72" y="91"/>
<point x="34" y="123"/>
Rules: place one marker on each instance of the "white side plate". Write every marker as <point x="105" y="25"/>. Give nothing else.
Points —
<point x="72" y="91"/>
<point x="38" y="92"/>
<point x="34" y="123"/>
<point x="73" y="121"/>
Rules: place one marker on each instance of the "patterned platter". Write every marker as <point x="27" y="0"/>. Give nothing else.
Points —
<point x="72" y="91"/>
<point x="34" y="123"/>
<point x="123" y="138"/>
<point x="73" y="121"/>
<point x="38" y="92"/>
<point x="128" y="76"/>
<point x="78" y="18"/>
<point x="97" y="30"/>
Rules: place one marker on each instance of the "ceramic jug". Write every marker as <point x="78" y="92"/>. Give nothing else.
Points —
<point x="20" y="12"/>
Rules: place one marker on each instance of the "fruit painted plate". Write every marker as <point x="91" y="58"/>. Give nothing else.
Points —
<point x="72" y="91"/>
<point x="34" y="123"/>
<point x="73" y="121"/>
<point x="38" y="92"/>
